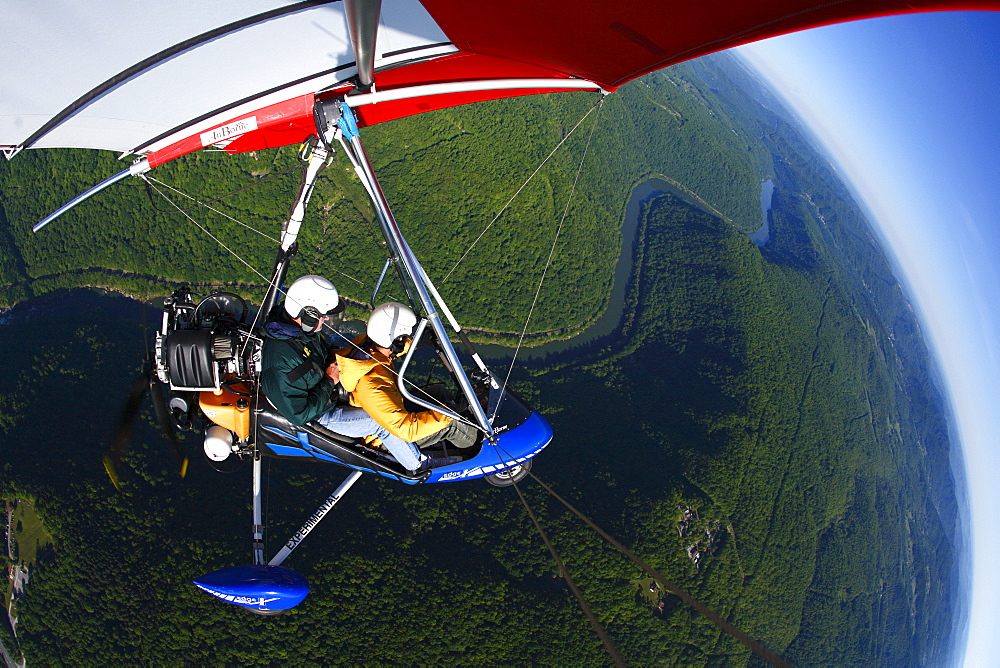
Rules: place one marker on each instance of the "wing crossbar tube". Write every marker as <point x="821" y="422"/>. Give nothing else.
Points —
<point x="140" y="167"/>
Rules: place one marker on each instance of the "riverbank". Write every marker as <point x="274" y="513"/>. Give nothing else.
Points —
<point x="610" y="321"/>
<point x="491" y="344"/>
<point x="25" y="535"/>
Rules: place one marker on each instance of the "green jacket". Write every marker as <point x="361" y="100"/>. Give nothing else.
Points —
<point x="292" y="373"/>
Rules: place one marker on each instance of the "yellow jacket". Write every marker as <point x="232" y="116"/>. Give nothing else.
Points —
<point x="371" y="383"/>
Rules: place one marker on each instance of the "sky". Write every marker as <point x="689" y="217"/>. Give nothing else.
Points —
<point x="909" y="107"/>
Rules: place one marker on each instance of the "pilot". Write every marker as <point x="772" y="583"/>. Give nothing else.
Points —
<point x="367" y="372"/>
<point x="300" y="376"/>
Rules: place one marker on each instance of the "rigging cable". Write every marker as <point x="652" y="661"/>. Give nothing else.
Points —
<point x="594" y="622"/>
<point x="150" y="179"/>
<point x="152" y="183"/>
<point x="265" y="177"/>
<point x="203" y="229"/>
<point x="182" y="210"/>
<point x="751" y="643"/>
<point x="258" y="314"/>
<point x="552" y="250"/>
<point x="523" y="185"/>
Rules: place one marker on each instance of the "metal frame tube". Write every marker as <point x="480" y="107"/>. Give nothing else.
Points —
<point x="458" y="328"/>
<point x="469" y="86"/>
<point x="290" y="230"/>
<point x="393" y="252"/>
<point x="362" y="22"/>
<point x="314" y="519"/>
<point x="138" y="168"/>
<point x="258" y="527"/>
<point x="421" y="326"/>
<point x="381" y="277"/>
<point x="437" y="296"/>
<point x="415" y="272"/>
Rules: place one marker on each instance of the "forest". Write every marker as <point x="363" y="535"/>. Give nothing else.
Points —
<point x="781" y="395"/>
<point x="448" y="174"/>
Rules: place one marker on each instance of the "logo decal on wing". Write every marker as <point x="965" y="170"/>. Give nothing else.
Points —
<point x="229" y="132"/>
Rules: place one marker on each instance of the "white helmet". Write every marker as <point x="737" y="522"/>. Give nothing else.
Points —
<point x="310" y="298"/>
<point x="390" y="321"/>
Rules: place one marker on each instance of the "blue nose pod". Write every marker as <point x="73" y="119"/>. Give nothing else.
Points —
<point x="266" y="590"/>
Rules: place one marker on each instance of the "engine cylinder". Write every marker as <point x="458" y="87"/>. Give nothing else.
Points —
<point x="218" y="443"/>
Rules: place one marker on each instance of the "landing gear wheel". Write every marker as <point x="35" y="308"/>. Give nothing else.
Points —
<point x="509" y="476"/>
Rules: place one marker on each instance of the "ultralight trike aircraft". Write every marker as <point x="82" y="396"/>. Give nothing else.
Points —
<point x="159" y="81"/>
<point x="208" y="355"/>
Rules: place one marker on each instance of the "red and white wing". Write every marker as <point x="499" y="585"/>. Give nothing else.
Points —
<point x="164" y="79"/>
<point x="124" y="75"/>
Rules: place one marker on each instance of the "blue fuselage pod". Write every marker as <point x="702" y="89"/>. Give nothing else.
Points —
<point x="514" y="445"/>
<point x="262" y="589"/>
<point x="519" y="433"/>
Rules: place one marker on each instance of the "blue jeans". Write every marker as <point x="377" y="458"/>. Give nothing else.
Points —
<point x="355" y="422"/>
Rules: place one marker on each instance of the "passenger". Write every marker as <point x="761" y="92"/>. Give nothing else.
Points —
<point x="367" y="372"/>
<point x="299" y="374"/>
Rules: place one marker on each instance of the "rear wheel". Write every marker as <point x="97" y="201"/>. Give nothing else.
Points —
<point x="510" y="475"/>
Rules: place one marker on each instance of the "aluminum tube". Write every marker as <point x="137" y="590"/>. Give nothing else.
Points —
<point x="454" y="324"/>
<point x="317" y="161"/>
<point x="381" y="277"/>
<point x="402" y="371"/>
<point x="290" y="230"/>
<point x="79" y="198"/>
<point x="349" y="149"/>
<point x="437" y="296"/>
<point x="362" y="22"/>
<point x="314" y="519"/>
<point x="469" y="86"/>
<point x="258" y="528"/>
<point x="395" y="236"/>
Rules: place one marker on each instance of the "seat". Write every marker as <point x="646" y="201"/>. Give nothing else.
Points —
<point x="346" y="450"/>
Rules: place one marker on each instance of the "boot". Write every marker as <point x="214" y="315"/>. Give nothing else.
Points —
<point x="437" y="462"/>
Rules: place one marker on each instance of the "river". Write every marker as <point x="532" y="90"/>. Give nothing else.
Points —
<point x="608" y="323"/>
<point x="761" y="236"/>
<point x="76" y="301"/>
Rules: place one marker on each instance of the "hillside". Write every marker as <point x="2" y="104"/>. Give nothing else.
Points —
<point x="447" y="174"/>
<point x="762" y="428"/>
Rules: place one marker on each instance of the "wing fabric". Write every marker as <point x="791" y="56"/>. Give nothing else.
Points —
<point x="164" y="79"/>
<point x="610" y="42"/>
<point x="122" y="75"/>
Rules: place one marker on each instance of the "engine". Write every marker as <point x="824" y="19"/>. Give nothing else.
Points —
<point x="205" y="345"/>
<point x="208" y="356"/>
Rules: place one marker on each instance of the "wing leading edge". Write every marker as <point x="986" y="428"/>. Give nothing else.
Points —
<point x="246" y="79"/>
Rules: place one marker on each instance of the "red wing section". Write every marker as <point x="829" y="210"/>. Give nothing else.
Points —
<point x="390" y="111"/>
<point x="610" y="42"/>
<point x="291" y="121"/>
<point x="276" y="125"/>
<point x="518" y="47"/>
<point x="453" y="69"/>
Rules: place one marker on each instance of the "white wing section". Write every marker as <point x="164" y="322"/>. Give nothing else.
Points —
<point x="118" y="75"/>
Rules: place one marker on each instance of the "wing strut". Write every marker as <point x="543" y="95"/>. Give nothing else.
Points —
<point x="314" y="519"/>
<point x="423" y="291"/>
<point x="135" y="169"/>
<point x="317" y="156"/>
<point x="362" y="21"/>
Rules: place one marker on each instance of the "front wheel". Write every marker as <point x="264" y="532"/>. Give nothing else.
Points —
<point x="510" y="475"/>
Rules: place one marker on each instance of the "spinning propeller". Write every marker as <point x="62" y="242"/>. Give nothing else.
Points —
<point x="120" y="443"/>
